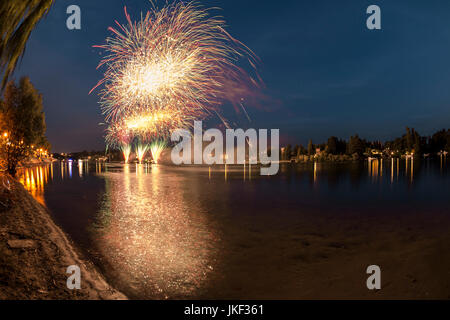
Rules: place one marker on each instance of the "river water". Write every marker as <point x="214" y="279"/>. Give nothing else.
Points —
<point x="161" y="232"/>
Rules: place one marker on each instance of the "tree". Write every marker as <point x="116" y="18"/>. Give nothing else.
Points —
<point x="341" y="146"/>
<point x="440" y="141"/>
<point x="409" y="140"/>
<point x="332" y="145"/>
<point x="310" y="147"/>
<point x="300" y="151"/>
<point x="417" y="146"/>
<point x="355" y="145"/>
<point x="296" y="150"/>
<point x="24" y="123"/>
<point x="18" y="19"/>
<point x="288" y="152"/>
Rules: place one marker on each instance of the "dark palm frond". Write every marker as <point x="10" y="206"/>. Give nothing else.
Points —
<point x="18" y="18"/>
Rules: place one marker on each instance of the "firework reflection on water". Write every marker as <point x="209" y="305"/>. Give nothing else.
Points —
<point x="152" y="240"/>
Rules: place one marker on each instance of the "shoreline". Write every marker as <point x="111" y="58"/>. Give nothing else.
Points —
<point x="36" y="269"/>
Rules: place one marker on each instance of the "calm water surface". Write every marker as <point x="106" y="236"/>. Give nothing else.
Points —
<point x="170" y="232"/>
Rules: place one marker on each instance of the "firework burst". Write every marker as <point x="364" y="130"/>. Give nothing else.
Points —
<point x="156" y="148"/>
<point x="177" y="64"/>
<point x="120" y="137"/>
<point x="126" y="151"/>
<point x="141" y="151"/>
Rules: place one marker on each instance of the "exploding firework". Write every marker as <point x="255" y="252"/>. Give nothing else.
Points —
<point x="121" y="137"/>
<point x="149" y="126"/>
<point x="126" y="150"/>
<point x="177" y="64"/>
<point x="141" y="151"/>
<point x="156" y="148"/>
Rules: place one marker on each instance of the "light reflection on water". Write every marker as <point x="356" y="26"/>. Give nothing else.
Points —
<point x="155" y="242"/>
<point x="34" y="180"/>
<point x="145" y="231"/>
<point x="170" y="232"/>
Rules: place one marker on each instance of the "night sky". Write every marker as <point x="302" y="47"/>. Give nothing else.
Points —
<point x="329" y="73"/>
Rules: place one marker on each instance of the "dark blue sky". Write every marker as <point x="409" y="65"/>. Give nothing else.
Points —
<point x="331" y="74"/>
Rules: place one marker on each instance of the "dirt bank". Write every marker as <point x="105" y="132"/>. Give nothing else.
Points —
<point x="36" y="269"/>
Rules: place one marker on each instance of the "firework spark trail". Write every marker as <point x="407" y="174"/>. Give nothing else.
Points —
<point x="148" y="126"/>
<point x="120" y="137"/>
<point x="126" y="150"/>
<point x="176" y="65"/>
<point x="156" y="148"/>
<point x="141" y="151"/>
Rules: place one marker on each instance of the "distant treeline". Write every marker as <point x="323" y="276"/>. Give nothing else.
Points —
<point x="110" y="155"/>
<point x="411" y="143"/>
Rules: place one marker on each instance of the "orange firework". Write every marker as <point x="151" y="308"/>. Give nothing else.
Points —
<point x="177" y="64"/>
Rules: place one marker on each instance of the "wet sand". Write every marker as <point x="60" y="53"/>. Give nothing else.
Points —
<point x="325" y="257"/>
